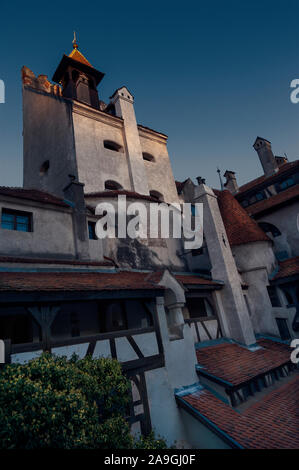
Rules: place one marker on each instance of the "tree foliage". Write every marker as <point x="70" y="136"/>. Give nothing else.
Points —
<point x="54" y="402"/>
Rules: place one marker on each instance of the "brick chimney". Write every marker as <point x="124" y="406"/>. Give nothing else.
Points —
<point x="267" y="159"/>
<point x="231" y="181"/>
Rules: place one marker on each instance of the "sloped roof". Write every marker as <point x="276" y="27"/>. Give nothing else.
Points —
<point x="193" y="279"/>
<point x="33" y="195"/>
<point x="235" y="364"/>
<point x="240" y="228"/>
<point x="120" y="192"/>
<point x="267" y="179"/>
<point x="270" y="423"/>
<point x="275" y="201"/>
<point x="79" y="57"/>
<point x="51" y="261"/>
<point x="287" y="268"/>
<point x="73" y="281"/>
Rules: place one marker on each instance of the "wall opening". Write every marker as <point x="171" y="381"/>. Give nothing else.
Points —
<point x="112" y="185"/>
<point x="148" y="157"/>
<point x="114" y="146"/>
<point x="156" y="195"/>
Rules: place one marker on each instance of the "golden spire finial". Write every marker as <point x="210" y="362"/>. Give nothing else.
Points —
<point x="75" y="45"/>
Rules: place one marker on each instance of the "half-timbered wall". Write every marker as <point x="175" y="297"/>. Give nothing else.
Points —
<point x="202" y="320"/>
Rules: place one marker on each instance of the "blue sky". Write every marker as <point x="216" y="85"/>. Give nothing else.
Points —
<point x="211" y="75"/>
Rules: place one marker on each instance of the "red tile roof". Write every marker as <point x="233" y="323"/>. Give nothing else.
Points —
<point x="274" y="201"/>
<point x="268" y="179"/>
<point x="14" y="259"/>
<point x="240" y="228"/>
<point x="120" y="192"/>
<point x="196" y="280"/>
<point x="287" y="268"/>
<point x="32" y="195"/>
<point x="236" y="364"/>
<point x="73" y="281"/>
<point x="271" y="423"/>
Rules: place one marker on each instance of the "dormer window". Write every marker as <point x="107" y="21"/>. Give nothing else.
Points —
<point x="112" y="185"/>
<point x="110" y="145"/>
<point x="285" y="184"/>
<point x="148" y="157"/>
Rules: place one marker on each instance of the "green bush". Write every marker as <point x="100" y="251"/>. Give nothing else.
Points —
<point x="55" y="402"/>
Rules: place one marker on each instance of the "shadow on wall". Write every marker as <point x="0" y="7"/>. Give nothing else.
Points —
<point x="139" y="255"/>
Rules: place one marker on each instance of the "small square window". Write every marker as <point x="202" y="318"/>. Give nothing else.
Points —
<point x="16" y="220"/>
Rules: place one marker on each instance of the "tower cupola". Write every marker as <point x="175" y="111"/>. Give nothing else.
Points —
<point x="79" y="79"/>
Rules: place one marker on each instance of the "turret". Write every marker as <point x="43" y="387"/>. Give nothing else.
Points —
<point x="79" y="79"/>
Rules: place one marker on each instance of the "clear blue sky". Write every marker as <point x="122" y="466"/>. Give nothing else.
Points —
<point x="211" y="75"/>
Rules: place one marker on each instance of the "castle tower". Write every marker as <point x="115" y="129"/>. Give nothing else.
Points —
<point x="69" y="132"/>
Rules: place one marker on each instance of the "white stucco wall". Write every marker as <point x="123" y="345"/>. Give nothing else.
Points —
<point x="52" y="232"/>
<point x="47" y="135"/>
<point x="96" y="164"/>
<point x="286" y="220"/>
<point x="159" y="172"/>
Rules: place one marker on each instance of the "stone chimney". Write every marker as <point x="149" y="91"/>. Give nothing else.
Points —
<point x="267" y="159"/>
<point x="231" y="181"/>
<point x="200" y="180"/>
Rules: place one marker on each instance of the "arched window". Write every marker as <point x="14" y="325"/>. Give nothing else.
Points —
<point x="110" y="145"/>
<point x="269" y="228"/>
<point x="112" y="185"/>
<point x="156" y="195"/>
<point x="148" y="157"/>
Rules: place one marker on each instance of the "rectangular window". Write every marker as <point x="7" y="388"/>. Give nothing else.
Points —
<point x="285" y="184"/>
<point x="16" y="220"/>
<point x="92" y="231"/>
<point x="124" y="315"/>
<point x="260" y="196"/>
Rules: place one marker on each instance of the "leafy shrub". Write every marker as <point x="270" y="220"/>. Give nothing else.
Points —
<point x="55" y="402"/>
